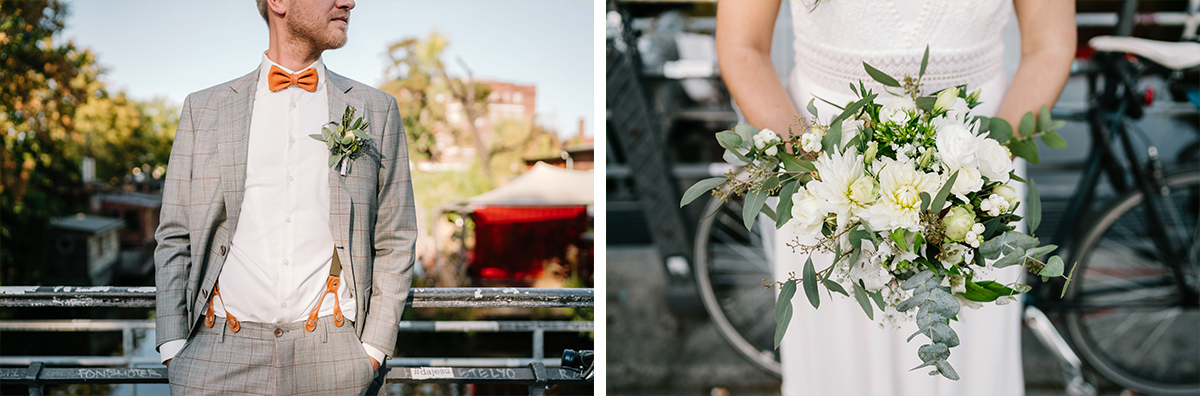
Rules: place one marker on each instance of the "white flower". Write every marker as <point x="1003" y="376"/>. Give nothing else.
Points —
<point x="807" y="213"/>
<point x="899" y="110"/>
<point x="956" y="145"/>
<point x="810" y="142"/>
<point x="956" y="283"/>
<point x="994" y="205"/>
<point x="994" y="161"/>
<point x="1004" y="300"/>
<point x="945" y="99"/>
<point x="968" y="181"/>
<point x="958" y="223"/>
<point x="955" y="253"/>
<point x="765" y="138"/>
<point x="899" y="203"/>
<point x="850" y="129"/>
<point x="869" y="268"/>
<point x="963" y="301"/>
<point x="771" y="151"/>
<point x="837" y="172"/>
<point x="959" y="110"/>
<point x="974" y="237"/>
<point x="1009" y="195"/>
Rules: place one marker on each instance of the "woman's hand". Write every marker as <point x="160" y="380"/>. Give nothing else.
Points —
<point x="1047" y="49"/>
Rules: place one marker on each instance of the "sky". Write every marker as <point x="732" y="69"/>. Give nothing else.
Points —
<point x="169" y="49"/>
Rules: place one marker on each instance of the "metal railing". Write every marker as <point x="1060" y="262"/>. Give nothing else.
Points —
<point x="532" y="371"/>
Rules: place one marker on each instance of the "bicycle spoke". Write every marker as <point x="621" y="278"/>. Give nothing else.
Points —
<point x="1158" y="332"/>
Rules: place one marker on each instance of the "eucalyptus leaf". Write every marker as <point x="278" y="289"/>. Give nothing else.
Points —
<point x="1027" y="125"/>
<point x="1033" y="213"/>
<point x="978" y="293"/>
<point x="925" y="198"/>
<point x="796" y="164"/>
<point x="1054" y="267"/>
<point x="317" y="136"/>
<point x="701" y="187"/>
<point x="924" y="62"/>
<point x="926" y="103"/>
<point x="1038" y="252"/>
<point x="729" y="140"/>
<point x="857" y="235"/>
<point x="1043" y="119"/>
<point x="781" y="324"/>
<point x="810" y="284"/>
<point x="1025" y="149"/>
<point x="1006" y="243"/>
<point x="785" y="298"/>
<point x="1000" y="129"/>
<point x="784" y="210"/>
<point x="1016" y="257"/>
<point x="333" y="159"/>
<point x="860" y="294"/>
<point x="834" y="286"/>
<point x="881" y="77"/>
<point x="1070" y="276"/>
<point x="877" y="296"/>
<point x="746" y="132"/>
<point x="936" y="351"/>
<point x="912" y="302"/>
<point x="916" y="280"/>
<point x="812" y="109"/>
<point x="753" y="205"/>
<point x="771" y="183"/>
<point x="1052" y="140"/>
<point x="833" y="137"/>
<point x="940" y="199"/>
<point x="946" y="370"/>
<point x="1058" y="125"/>
<point x="899" y="235"/>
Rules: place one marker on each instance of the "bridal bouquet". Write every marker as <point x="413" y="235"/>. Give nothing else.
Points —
<point x="910" y="198"/>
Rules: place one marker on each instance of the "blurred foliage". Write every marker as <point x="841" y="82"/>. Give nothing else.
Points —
<point x="54" y="111"/>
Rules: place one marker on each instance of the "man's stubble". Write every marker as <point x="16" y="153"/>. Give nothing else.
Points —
<point x="312" y="31"/>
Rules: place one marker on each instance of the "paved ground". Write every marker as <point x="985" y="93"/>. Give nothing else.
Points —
<point x="652" y="351"/>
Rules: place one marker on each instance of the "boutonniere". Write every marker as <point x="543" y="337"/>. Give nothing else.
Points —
<point x="346" y="140"/>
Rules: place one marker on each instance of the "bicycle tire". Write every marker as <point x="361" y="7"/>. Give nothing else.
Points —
<point x="1124" y="309"/>
<point x="731" y="264"/>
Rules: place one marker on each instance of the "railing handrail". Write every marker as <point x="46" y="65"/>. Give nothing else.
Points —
<point x="408" y="326"/>
<point x="457" y="297"/>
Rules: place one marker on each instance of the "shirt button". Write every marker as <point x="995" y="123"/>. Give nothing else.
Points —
<point x="291" y="140"/>
<point x="284" y="304"/>
<point x="293" y="105"/>
<point x="285" y="262"/>
<point x="291" y="178"/>
<point x="289" y="219"/>
<point x="278" y="332"/>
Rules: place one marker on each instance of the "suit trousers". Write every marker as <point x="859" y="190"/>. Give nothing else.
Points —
<point x="272" y="359"/>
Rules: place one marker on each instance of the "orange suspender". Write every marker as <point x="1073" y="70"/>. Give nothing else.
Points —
<point x="331" y="286"/>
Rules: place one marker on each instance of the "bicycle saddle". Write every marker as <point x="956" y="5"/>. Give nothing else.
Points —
<point x="1173" y="55"/>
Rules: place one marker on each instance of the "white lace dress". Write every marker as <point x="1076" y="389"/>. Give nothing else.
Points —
<point x="836" y="350"/>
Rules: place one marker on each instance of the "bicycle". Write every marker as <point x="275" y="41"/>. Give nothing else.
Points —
<point x="732" y="260"/>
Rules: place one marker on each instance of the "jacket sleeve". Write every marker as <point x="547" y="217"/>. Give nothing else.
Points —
<point x="172" y="257"/>
<point x="395" y="237"/>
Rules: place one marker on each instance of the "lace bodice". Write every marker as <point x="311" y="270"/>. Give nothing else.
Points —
<point x="834" y="37"/>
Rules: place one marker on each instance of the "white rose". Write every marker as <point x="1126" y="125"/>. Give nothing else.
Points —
<point x="806" y="212"/>
<point x="968" y="181"/>
<point x="994" y="162"/>
<point x="957" y="145"/>
<point x="958" y="223"/>
<point x="898" y="110"/>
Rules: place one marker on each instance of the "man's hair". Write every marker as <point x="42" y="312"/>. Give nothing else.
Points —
<point x="262" y="10"/>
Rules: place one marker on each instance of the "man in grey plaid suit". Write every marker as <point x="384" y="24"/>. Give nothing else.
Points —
<point x="278" y="274"/>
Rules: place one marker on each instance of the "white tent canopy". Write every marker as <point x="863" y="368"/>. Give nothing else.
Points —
<point x="544" y="185"/>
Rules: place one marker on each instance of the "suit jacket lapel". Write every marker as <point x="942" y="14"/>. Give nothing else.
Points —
<point x="234" y="142"/>
<point x="340" y="204"/>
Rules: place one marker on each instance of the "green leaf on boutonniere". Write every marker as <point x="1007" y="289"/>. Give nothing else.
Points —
<point x="333" y="159"/>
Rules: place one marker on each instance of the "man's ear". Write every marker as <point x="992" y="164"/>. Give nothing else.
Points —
<point x="277" y="7"/>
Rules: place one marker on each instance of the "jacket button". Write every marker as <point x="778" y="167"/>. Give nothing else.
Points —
<point x="278" y="332"/>
<point x="222" y="250"/>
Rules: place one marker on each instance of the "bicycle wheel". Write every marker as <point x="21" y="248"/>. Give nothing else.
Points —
<point x="1133" y="317"/>
<point x="731" y="264"/>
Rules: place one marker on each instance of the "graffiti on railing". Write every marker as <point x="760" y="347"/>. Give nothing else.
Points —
<point x="118" y="373"/>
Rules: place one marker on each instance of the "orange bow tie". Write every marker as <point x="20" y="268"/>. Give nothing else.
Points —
<point x="278" y="79"/>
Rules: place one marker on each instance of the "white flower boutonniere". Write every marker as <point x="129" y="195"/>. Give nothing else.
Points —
<point x="346" y="140"/>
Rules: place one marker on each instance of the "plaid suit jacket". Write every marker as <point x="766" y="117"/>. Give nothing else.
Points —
<point x="372" y="216"/>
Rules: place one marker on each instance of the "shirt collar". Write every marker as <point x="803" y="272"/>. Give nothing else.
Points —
<point x="265" y="67"/>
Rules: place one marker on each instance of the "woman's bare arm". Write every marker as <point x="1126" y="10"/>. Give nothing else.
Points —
<point x="1047" y="49"/>
<point x="744" y="31"/>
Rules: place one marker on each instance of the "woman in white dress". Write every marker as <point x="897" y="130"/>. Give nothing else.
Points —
<point x="836" y="349"/>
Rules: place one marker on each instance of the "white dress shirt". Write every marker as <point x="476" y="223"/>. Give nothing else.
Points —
<point x="282" y="248"/>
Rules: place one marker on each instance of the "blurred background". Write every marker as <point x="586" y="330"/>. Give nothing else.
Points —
<point x="686" y="309"/>
<point x="496" y="99"/>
